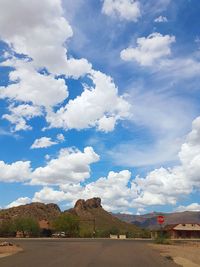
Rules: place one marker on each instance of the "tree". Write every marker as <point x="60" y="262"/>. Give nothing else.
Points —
<point x="28" y="226"/>
<point x="114" y="231"/>
<point x="67" y="223"/>
<point x="6" y="228"/>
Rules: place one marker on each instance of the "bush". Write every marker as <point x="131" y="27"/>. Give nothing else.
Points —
<point x="7" y="229"/>
<point x="162" y="238"/>
<point x="28" y="226"/>
<point x="114" y="231"/>
<point x="67" y="223"/>
<point x="145" y="233"/>
<point x="102" y="233"/>
<point x="86" y="234"/>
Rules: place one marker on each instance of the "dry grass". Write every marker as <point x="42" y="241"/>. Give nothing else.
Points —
<point x="9" y="250"/>
<point x="185" y="254"/>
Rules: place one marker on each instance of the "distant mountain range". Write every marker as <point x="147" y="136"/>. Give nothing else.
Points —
<point x="149" y="221"/>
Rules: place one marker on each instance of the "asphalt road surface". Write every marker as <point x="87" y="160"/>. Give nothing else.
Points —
<point x="85" y="252"/>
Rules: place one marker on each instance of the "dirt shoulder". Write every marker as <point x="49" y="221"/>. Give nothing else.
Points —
<point x="185" y="254"/>
<point x="9" y="250"/>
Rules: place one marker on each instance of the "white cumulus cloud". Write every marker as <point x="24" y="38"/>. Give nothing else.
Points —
<point x="20" y="114"/>
<point x="118" y="191"/>
<point x="124" y="9"/>
<point x="18" y="202"/>
<point x="114" y="190"/>
<point x="28" y="85"/>
<point x="43" y="142"/>
<point x="165" y="186"/>
<point x="100" y="106"/>
<point x="18" y="171"/>
<point x="70" y="166"/>
<point x="49" y="195"/>
<point x="161" y="19"/>
<point x="190" y="207"/>
<point x="38" y="29"/>
<point x="60" y="137"/>
<point x="149" y="49"/>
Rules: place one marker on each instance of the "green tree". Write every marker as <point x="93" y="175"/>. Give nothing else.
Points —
<point x="28" y="226"/>
<point x="67" y="223"/>
<point x="6" y="228"/>
<point x="114" y="231"/>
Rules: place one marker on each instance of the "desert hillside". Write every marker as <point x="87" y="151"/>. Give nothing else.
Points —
<point x="37" y="211"/>
<point x="91" y="212"/>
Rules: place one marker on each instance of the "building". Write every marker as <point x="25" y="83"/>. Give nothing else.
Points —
<point x="45" y="228"/>
<point x="182" y="230"/>
<point x="44" y="224"/>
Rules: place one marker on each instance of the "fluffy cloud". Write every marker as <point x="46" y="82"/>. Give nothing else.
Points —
<point x="118" y="191"/>
<point x="29" y="85"/>
<point x="18" y="202"/>
<point x="60" y="137"/>
<point x="149" y="49"/>
<point x="160" y="186"/>
<point x="161" y="19"/>
<point x="34" y="81"/>
<point x="124" y="9"/>
<point x="100" y="105"/>
<point x="49" y="195"/>
<point x="166" y="186"/>
<point x="71" y="166"/>
<point x="18" y="171"/>
<point x="39" y="30"/>
<point x="191" y="207"/>
<point x="114" y="191"/>
<point x="43" y="142"/>
<point x="20" y="114"/>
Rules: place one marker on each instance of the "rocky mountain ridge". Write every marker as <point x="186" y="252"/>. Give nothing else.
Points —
<point x="149" y="221"/>
<point x="39" y="211"/>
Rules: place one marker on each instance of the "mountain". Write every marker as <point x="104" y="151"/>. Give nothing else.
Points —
<point x="38" y="211"/>
<point x="92" y="215"/>
<point x="149" y="221"/>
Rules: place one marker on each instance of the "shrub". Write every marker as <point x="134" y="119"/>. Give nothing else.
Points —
<point x="7" y="229"/>
<point x="114" y="231"/>
<point x="28" y="226"/>
<point x="162" y="238"/>
<point x="67" y="223"/>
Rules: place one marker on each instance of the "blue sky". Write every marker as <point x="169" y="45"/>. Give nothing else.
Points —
<point x="100" y="98"/>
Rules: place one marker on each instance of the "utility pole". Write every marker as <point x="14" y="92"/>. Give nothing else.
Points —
<point x="94" y="227"/>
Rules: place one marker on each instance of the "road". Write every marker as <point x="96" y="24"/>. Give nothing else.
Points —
<point x="85" y="252"/>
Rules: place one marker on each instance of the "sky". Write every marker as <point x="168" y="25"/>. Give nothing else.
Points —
<point x="100" y="98"/>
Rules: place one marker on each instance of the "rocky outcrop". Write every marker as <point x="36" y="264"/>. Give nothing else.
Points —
<point x="80" y="205"/>
<point x="91" y="203"/>
<point x="91" y="210"/>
